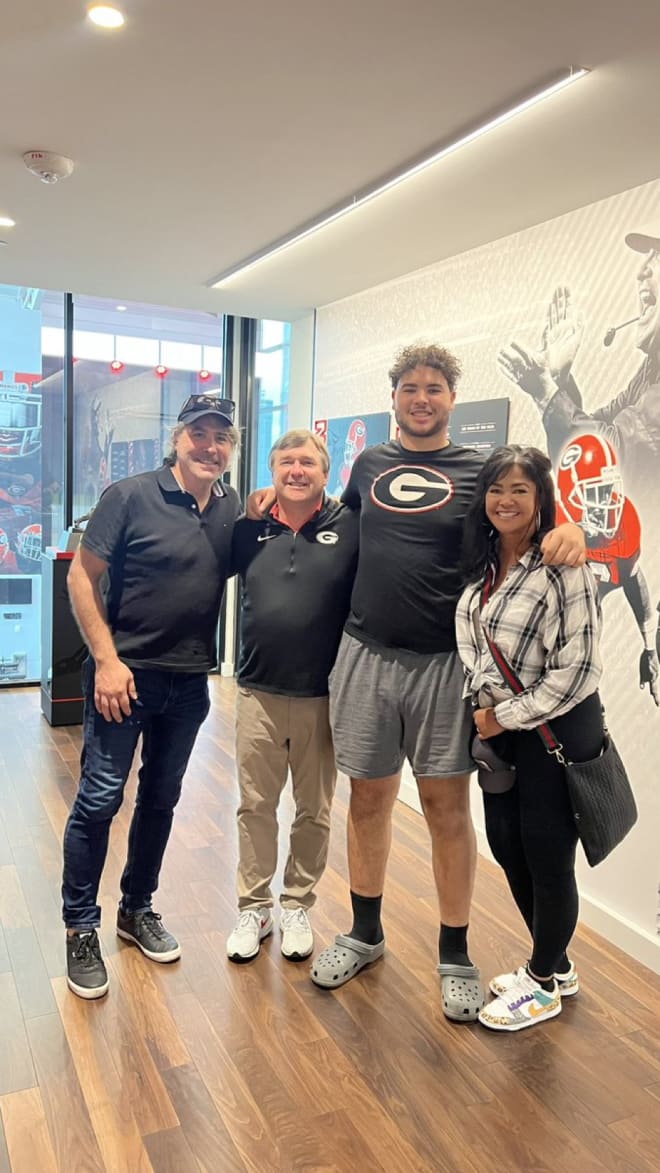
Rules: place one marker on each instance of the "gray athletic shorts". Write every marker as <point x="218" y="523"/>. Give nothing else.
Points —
<point x="386" y="706"/>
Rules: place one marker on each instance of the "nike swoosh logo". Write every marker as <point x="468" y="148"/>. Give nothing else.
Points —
<point x="541" y="1007"/>
<point x="537" y="1012"/>
<point x="265" y="537"/>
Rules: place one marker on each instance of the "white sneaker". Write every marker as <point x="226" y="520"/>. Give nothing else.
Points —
<point x="252" y="926"/>
<point x="567" y="982"/>
<point x="297" y="936"/>
<point x="524" y="1004"/>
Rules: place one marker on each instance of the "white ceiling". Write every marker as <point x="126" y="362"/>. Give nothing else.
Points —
<point x="203" y="131"/>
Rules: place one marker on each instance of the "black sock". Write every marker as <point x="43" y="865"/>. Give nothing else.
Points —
<point x="452" y="945"/>
<point x="366" y="919"/>
<point x="548" y="984"/>
<point x="563" y="965"/>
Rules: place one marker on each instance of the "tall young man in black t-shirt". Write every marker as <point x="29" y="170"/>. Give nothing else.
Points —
<point x="397" y="687"/>
<point x="162" y="543"/>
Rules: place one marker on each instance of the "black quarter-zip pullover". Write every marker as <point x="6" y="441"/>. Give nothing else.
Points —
<point x="296" y="590"/>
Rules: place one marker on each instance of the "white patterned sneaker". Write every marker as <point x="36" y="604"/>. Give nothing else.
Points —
<point x="524" y="1004"/>
<point x="567" y="982"/>
<point x="297" y="936"/>
<point x="252" y="926"/>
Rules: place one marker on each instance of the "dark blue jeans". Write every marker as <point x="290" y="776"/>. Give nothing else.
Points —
<point x="169" y="710"/>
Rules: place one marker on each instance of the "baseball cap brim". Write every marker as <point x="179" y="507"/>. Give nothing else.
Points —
<point x="646" y="241"/>
<point x="187" y="417"/>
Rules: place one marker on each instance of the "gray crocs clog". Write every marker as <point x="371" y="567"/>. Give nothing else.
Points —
<point x="340" y="962"/>
<point x="463" y="994"/>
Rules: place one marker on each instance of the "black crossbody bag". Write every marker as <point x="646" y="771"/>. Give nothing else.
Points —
<point x="599" y="790"/>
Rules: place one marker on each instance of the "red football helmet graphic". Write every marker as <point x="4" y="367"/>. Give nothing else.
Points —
<point x="356" y="438"/>
<point x="590" y="484"/>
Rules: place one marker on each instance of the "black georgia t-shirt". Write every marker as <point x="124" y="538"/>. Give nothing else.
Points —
<point x="413" y="507"/>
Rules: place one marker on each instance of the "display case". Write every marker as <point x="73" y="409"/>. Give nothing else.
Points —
<point x="62" y="646"/>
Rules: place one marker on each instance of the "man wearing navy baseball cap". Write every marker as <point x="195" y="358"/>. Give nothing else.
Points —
<point x="198" y="406"/>
<point x="160" y="543"/>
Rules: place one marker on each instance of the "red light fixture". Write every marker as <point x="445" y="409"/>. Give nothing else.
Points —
<point x="204" y="376"/>
<point x="116" y="366"/>
<point x="161" y="370"/>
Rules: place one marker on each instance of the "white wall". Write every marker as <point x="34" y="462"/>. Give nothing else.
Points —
<point x="475" y="303"/>
<point x="301" y="372"/>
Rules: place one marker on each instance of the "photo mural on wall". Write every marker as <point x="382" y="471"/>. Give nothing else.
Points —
<point x="597" y="453"/>
<point x="563" y="318"/>
<point x="345" y="439"/>
<point x="591" y="493"/>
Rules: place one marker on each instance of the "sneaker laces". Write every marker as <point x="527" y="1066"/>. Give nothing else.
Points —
<point x="246" y="919"/>
<point x="295" y="918"/>
<point x="153" y="921"/>
<point x="87" y="949"/>
<point x="524" y="986"/>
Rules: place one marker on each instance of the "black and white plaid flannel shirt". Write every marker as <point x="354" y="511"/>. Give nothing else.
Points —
<point x="546" y="621"/>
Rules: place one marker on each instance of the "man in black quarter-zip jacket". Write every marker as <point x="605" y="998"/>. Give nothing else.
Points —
<point x="296" y="567"/>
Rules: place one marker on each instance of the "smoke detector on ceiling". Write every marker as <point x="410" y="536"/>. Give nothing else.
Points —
<point x="47" y="166"/>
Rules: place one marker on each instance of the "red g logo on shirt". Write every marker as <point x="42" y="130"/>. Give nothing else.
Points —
<point x="412" y="488"/>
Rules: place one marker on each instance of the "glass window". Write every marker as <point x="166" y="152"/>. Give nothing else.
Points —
<point x="140" y="364"/>
<point x="142" y="352"/>
<point x="271" y="378"/>
<point x="31" y="466"/>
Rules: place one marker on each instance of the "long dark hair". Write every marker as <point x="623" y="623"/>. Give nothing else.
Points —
<point x="480" y="537"/>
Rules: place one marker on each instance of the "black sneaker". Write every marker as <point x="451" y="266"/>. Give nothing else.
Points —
<point x="147" y="931"/>
<point x="86" y="974"/>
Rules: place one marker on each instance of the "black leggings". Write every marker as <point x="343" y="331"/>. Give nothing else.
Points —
<point x="532" y="834"/>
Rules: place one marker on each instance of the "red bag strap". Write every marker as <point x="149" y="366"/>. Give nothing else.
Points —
<point x="509" y="676"/>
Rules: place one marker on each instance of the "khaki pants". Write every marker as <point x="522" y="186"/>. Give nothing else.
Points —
<point x="275" y="734"/>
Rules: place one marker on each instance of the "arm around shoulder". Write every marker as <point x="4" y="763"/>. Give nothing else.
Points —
<point x="565" y="545"/>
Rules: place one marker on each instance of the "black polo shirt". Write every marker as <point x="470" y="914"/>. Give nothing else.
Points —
<point x="168" y="566"/>
<point x="296" y="590"/>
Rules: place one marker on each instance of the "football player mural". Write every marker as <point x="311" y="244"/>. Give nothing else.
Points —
<point x="591" y="493"/>
<point x="356" y="438"/>
<point x="346" y="437"/>
<point x="630" y="420"/>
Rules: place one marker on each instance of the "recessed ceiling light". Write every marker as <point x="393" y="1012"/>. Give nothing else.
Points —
<point x="105" y="16"/>
<point x="7" y="222"/>
<point x="121" y="309"/>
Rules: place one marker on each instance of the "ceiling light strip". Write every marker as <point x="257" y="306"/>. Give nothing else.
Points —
<point x="567" y="77"/>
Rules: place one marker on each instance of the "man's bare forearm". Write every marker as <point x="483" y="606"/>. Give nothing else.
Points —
<point x="89" y="612"/>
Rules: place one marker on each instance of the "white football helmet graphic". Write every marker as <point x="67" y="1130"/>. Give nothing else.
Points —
<point x="20" y="421"/>
<point x="28" y="543"/>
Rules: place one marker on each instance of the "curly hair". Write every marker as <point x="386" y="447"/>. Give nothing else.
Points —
<point x="426" y="355"/>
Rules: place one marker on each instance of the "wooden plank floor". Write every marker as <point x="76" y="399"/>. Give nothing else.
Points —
<point x="207" y="1065"/>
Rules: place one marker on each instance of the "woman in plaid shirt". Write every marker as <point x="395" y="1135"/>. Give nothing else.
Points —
<point x="546" y="622"/>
